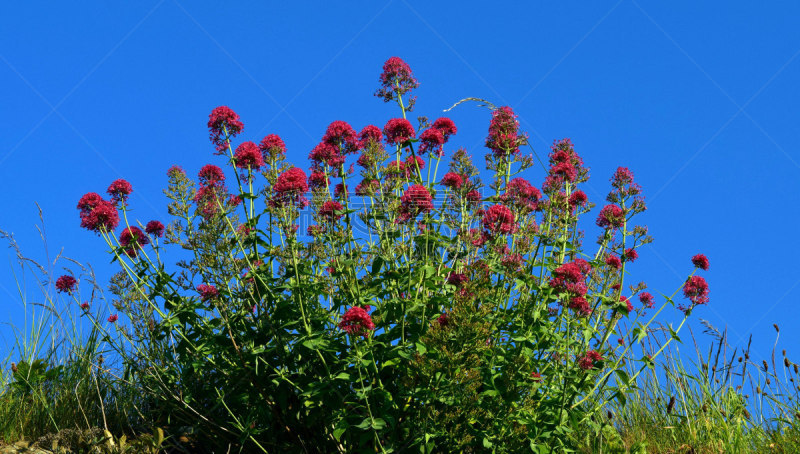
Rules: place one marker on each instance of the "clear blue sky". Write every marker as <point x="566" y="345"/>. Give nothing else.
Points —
<point x="701" y="102"/>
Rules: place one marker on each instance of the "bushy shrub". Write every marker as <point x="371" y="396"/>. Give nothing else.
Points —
<point x="388" y="309"/>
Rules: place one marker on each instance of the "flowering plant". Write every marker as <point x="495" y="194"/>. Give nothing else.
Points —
<point x="410" y="311"/>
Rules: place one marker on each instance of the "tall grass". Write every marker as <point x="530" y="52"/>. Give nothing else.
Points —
<point x="723" y="401"/>
<point x="54" y="375"/>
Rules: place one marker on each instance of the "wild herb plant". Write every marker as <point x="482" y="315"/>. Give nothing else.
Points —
<point x="417" y="312"/>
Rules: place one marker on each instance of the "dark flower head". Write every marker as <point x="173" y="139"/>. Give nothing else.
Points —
<point x="248" y="155"/>
<point x="696" y="289"/>
<point x="499" y="219"/>
<point x="272" y="146"/>
<point x="132" y="239"/>
<point x="342" y="136"/>
<point x="207" y="292"/>
<point x="211" y="175"/>
<point x="474" y="197"/>
<point x="370" y="133"/>
<point x="331" y="211"/>
<point x="431" y="140"/>
<point x="611" y="216"/>
<point x="97" y="214"/>
<point x="317" y="179"/>
<point x="326" y="153"/>
<point x="290" y="187"/>
<point x="176" y="172"/>
<point x="223" y="120"/>
<point x="410" y="163"/>
<point x="646" y="299"/>
<point x="119" y="190"/>
<point x="630" y="255"/>
<point x="622" y="176"/>
<point x="521" y="195"/>
<point x="613" y="261"/>
<point x="443" y="320"/>
<point x="113" y="318"/>
<point x="415" y="200"/>
<point x="446" y="126"/>
<point x="700" y="261"/>
<point x="396" y="80"/>
<point x="398" y="131"/>
<point x="155" y="228"/>
<point x="590" y="360"/>
<point x="504" y="137"/>
<point x="580" y="305"/>
<point x="356" y="321"/>
<point x="578" y="198"/>
<point x="452" y="180"/>
<point x="89" y="201"/>
<point x="367" y="187"/>
<point x="66" y="284"/>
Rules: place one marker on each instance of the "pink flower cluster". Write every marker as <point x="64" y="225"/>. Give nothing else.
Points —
<point x="97" y="215"/>
<point x="223" y="124"/>
<point x="248" y="156"/>
<point x="499" y="219"/>
<point x="207" y="292"/>
<point x="696" y="289"/>
<point x="414" y="201"/>
<point x="522" y="195"/>
<point x="398" y="131"/>
<point x="290" y="188"/>
<point x="396" y="80"/>
<point x="433" y="139"/>
<point x="66" y="284"/>
<point x="212" y="191"/>
<point x="356" y="321"/>
<point x="504" y="137"/>
<point x="132" y="239"/>
<point x="590" y="360"/>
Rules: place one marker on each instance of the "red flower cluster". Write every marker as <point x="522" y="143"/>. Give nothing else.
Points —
<point x="414" y="201"/>
<point x="97" y="215"/>
<point x="367" y="187"/>
<point x="155" y="228"/>
<point x="370" y="133"/>
<point x="248" y="155"/>
<point x="211" y="175"/>
<point x="113" y="318"/>
<point x="66" y="284"/>
<point x="580" y="305"/>
<point x="119" y="190"/>
<point x="329" y="211"/>
<point x="396" y="80"/>
<point x="570" y="277"/>
<point x="452" y="180"/>
<point x="696" y="289"/>
<point x="290" y="187"/>
<point x="499" y="219"/>
<point x="613" y="261"/>
<point x="272" y="146"/>
<point x="207" y="292"/>
<point x="646" y="299"/>
<point x="433" y="138"/>
<point x="443" y="320"/>
<point x="398" y="131"/>
<point x="223" y="123"/>
<point x="504" y="137"/>
<point x="576" y="199"/>
<point x="590" y="360"/>
<point x="356" y="321"/>
<point x="457" y="279"/>
<point x="611" y="216"/>
<point x="132" y="239"/>
<point x="630" y="255"/>
<point x="700" y="261"/>
<point x="521" y="195"/>
<point x="212" y="191"/>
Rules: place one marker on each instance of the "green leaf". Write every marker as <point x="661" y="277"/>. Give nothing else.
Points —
<point x="377" y="264"/>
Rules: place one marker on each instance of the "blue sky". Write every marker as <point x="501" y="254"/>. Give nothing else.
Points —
<point x="700" y="102"/>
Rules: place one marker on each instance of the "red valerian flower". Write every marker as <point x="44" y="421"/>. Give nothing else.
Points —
<point x="272" y="146"/>
<point x="317" y="179"/>
<point x="155" y="228"/>
<point x="613" y="261"/>
<point x="627" y="301"/>
<point x="85" y="306"/>
<point x="176" y="172"/>
<point x="326" y="153"/>
<point x="590" y="360"/>
<point x="119" y="190"/>
<point x="452" y="180"/>
<point x="330" y="209"/>
<point x="611" y="216"/>
<point x="211" y="175"/>
<point x="97" y="214"/>
<point x="342" y="136"/>
<point x="356" y="321"/>
<point x="700" y="261"/>
<point x="432" y="140"/>
<point x="410" y="163"/>
<point x="457" y="279"/>
<point x="415" y="200"/>
<point x="208" y="199"/>
<point x="248" y="155"/>
<point x="66" y="284"/>
<point x="474" y="197"/>
<point x="564" y="170"/>
<point x="521" y="194"/>
<point x="207" y="292"/>
<point x="570" y="277"/>
<point x="370" y="133"/>
<point x="132" y="239"/>
<point x="396" y="80"/>
<point x="221" y="120"/>
<point x="499" y="219"/>
<point x="646" y="299"/>
<point x="398" y="131"/>
<point x="580" y="305"/>
<point x="367" y="187"/>
<point x="630" y="255"/>
<point x="622" y="176"/>
<point x="113" y="318"/>
<point x="696" y="289"/>
<point x="446" y="126"/>
<point x="443" y="320"/>
<point x="536" y="376"/>
<point x="577" y="198"/>
<point x="504" y="138"/>
<point x="291" y="186"/>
